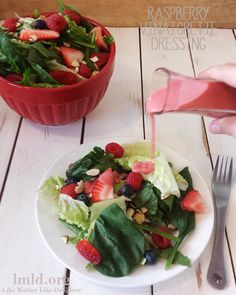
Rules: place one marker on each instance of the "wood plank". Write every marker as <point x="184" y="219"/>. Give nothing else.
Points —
<point x="125" y="13"/>
<point x="9" y="122"/>
<point x="22" y="252"/>
<point x="221" y="49"/>
<point x="119" y="114"/>
<point x="184" y="134"/>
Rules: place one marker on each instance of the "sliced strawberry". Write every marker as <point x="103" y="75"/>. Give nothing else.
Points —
<point x="143" y="167"/>
<point x="69" y="190"/>
<point x="193" y="201"/>
<point x="10" y="24"/>
<point x="99" y="38"/>
<point x="159" y="241"/>
<point x="72" y="57"/>
<point x="89" y="185"/>
<point x="100" y="58"/>
<point x="37" y="35"/>
<point x="85" y="71"/>
<point x="103" y="189"/>
<point x="64" y="77"/>
<point x="88" y="251"/>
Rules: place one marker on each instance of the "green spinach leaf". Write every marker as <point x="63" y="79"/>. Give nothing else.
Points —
<point x="187" y="176"/>
<point x="35" y="58"/>
<point x="97" y="158"/>
<point x="43" y="75"/>
<point x="118" y="240"/>
<point x="109" y="40"/>
<point x="13" y="55"/>
<point x="179" y="257"/>
<point x="169" y="202"/>
<point x="45" y="52"/>
<point x="146" y="197"/>
<point x="185" y="222"/>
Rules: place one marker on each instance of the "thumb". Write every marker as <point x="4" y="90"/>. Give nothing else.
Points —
<point x="226" y="125"/>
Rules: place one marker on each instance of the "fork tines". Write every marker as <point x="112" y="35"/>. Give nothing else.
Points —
<point x="223" y="169"/>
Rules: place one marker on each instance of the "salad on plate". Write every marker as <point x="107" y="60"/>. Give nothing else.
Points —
<point x="52" y="49"/>
<point x="125" y="209"/>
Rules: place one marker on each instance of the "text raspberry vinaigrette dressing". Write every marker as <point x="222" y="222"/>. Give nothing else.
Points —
<point x="210" y="98"/>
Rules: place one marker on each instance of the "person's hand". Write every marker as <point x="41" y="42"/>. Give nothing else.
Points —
<point x="227" y="74"/>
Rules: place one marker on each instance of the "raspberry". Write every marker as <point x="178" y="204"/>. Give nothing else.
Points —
<point x="72" y="15"/>
<point x="85" y="71"/>
<point x="10" y="24"/>
<point x="115" y="149"/>
<point x="69" y="190"/>
<point x="159" y="241"/>
<point x="88" y="251"/>
<point x="135" y="180"/>
<point x="64" y="77"/>
<point x="56" y="22"/>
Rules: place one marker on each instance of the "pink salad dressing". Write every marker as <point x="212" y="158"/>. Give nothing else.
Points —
<point x="191" y="95"/>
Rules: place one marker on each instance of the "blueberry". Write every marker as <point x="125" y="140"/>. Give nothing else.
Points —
<point x="127" y="190"/>
<point x="39" y="24"/>
<point x="151" y="256"/>
<point x="84" y="198"/>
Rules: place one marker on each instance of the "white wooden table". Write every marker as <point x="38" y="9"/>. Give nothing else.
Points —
<point x="27" y="150"/>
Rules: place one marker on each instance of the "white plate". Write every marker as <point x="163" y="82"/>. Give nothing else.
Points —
<point x="52" y="230"/>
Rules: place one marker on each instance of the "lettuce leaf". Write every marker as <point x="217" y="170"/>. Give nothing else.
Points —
<point x="73" y="211"/>
<point x="50" y="191"/>
<point x="181" y="181"/>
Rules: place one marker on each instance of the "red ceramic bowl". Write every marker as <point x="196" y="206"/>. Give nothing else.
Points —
<point x="63" y="105"/>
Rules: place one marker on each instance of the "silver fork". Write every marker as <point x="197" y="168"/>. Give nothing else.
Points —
<point x="221" y="186"/>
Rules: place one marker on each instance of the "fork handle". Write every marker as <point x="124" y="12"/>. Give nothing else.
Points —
<point x="217" y="275"/>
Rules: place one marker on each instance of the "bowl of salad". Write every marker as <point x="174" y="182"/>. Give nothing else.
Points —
<point x="54" y="67"/>
<point x="120" y="217"/>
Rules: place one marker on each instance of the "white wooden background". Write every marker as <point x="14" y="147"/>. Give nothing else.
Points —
<point x="27" y="150"/>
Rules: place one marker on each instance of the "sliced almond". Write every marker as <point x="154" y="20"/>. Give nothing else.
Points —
<point x="138" y="210"/>
<point x="126" y="199"/>
<point x="144" y="210"/>
<point x="83" y="62"/>
<point x="66" y="44"/>
<point x="33" y="38"/>
<point x="139" y="217"/>
<point x="130" y="212"/>
<point x="94" y="59"/>
<point x="75" y="63"/>
<point x="65" y="239"/>
<point x="93" y="172"/>
<point x="171" y="226"/>
<point x="95" y="73"/>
